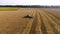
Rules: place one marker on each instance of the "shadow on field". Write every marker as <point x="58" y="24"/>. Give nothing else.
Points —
<point x="27" y="16"/>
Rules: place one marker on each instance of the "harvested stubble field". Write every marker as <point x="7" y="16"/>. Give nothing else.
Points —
<point x="43" y="22"/>
<point x="54" y="11"/>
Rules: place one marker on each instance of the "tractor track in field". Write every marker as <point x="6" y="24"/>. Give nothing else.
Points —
<point x="54" y="18"/>
<point x="43" y="28"/>
<point x="52" y="25"/>
<point x="32" y="30"/>
<point x="54" y="29"/>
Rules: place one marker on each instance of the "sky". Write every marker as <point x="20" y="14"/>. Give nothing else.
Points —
<point x="30" y="2"/>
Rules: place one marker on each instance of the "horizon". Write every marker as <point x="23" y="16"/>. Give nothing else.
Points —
<point x="30" y="2"/>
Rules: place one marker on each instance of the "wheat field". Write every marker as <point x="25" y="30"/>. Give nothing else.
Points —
<point x="43" y="22"/>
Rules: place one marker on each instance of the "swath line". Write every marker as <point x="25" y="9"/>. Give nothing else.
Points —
<point x="45" y="21"/>
<point x="32" y="30"/>
<point x="53" y="17"/>
<point x="52" y="24"/>
<point x="28" y="27"/>
<point x="43" y="28"/>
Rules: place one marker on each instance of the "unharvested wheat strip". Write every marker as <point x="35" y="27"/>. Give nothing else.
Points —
<point x="28" y="27"/>
<point x="45" y="21"/>
<point x="53" y="22"/>
<point x="38" y="26"/>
